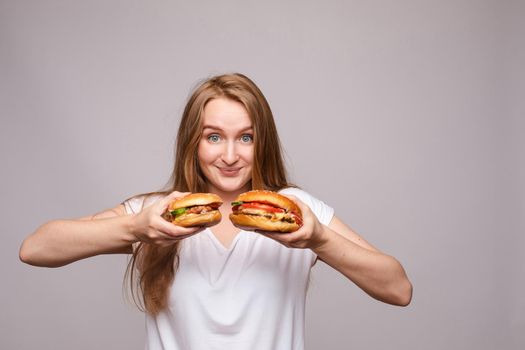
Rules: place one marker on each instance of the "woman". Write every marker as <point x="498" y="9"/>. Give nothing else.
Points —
<point x="221" y="287"/>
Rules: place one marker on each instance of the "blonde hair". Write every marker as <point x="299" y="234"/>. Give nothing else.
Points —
<point x="154" y="265"/>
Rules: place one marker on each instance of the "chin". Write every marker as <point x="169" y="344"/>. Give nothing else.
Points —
<point x="231" y="186"/>
<point x="234" y="188"/>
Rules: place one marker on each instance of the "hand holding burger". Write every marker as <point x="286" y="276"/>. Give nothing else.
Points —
<point x="150" y="225"/>
<point x="312" y="234"/>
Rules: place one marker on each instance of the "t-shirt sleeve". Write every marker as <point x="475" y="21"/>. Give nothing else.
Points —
<point x="135" y="204"/>
<point x="324" y="212"/>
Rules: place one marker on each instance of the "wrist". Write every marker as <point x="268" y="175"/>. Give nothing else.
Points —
<point x="321" y="238"/>
<point x="130" y="228"/>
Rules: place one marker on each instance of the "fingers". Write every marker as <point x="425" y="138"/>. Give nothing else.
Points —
<point x="176" y="194"/>
<point x="166" y="233"/>
<point x="164" y="202"/>
<point x="163" y="232"/>
<point x="290" y="240"/>
<point x="176" y="231"/>
<point x="292" y="197"/>
<point x="299" y="203"/>
<point x="299" y="238"/>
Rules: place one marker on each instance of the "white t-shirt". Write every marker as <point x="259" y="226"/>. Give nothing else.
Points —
<point x="248" y="296"/>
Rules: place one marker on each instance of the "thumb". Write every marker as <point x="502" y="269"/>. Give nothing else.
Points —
<point x="171" y="197"/>
<point x="297" y="201"/>
<point x="176" y="194"/>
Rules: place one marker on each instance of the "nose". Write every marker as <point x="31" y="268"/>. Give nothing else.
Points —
<point x="229" y="154"/>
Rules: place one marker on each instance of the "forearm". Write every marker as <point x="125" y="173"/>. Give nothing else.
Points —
<point x="379" y="275"/>
<point x="61" y="242"/>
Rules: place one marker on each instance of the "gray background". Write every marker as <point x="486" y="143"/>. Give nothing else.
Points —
<point x="406" y="116"/>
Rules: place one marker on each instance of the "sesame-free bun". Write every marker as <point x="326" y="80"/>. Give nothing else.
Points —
<point x="269" y="197"/>
<point x="194" y="199"/>
<point x="205" y="219"/>
<point x="194" y="216"/>
<point x="252" y="222"/>
<point x="261" y="218"/>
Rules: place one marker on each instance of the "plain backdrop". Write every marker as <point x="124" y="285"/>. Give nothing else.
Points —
<point x="406" y="116"/>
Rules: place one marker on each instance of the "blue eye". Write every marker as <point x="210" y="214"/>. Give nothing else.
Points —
<point x="214" y="138"/>
<point x="247" y="138"/>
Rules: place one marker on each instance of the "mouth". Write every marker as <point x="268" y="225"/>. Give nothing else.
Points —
<point x="229" y="171"/>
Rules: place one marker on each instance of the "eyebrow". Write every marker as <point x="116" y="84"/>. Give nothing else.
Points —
<point x="218" y="128"/>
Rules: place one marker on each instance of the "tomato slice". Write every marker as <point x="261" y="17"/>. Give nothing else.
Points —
<point x="262" y="206"/>
<point x="298" y="219"/>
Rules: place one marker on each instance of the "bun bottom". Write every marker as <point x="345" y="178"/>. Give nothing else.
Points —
<point x="254" y="222"/>
<point x="204" y="220"/>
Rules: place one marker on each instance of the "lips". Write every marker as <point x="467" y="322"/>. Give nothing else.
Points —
<point x="230" y="172"/>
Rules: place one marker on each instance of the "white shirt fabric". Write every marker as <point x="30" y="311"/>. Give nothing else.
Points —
<point x="250" y="295"/>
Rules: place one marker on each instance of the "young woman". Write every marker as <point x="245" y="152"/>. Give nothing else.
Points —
<point x="222" y="287"/>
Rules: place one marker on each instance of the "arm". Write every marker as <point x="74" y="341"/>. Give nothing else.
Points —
<point x="61" y="242"/>
<point x="379" y="275"/>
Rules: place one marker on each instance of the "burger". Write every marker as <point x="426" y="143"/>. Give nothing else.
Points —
<point x="195" y="209"/>
<point x="267" y="211"/>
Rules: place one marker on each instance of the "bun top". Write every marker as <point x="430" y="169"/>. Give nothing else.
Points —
<point x="269" y="197"/>
<point x="194" y="199"/>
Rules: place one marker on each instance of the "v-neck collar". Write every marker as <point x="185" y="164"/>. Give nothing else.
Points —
<point x="219" y="244"/>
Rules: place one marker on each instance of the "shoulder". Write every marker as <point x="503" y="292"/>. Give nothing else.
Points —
<point x="138" y="202"/>
<point x="303" y="195"/>
<point x="323" y="211"/>
<point x="297" y="192"/>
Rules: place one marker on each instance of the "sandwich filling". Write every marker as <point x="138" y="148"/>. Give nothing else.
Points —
<point x="265" y="210"/>
<point x="191" y="210"/>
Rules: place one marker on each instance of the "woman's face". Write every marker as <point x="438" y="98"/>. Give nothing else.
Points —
<point x="226" y="146"/>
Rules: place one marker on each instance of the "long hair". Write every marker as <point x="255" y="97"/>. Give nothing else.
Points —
<point x="152" y="268"/>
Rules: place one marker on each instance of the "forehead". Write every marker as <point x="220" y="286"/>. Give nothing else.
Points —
<point x="225" y="114"/>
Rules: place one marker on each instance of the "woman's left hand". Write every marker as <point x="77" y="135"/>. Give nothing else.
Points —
<point x="309" y="235"/>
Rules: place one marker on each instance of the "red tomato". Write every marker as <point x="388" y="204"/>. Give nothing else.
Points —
<point x="298" y="219"/>
<point x="262" y="206"/>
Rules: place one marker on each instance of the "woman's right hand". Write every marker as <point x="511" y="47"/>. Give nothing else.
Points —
<point x="61" y="242"/>
<point x="150" y="227"/>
